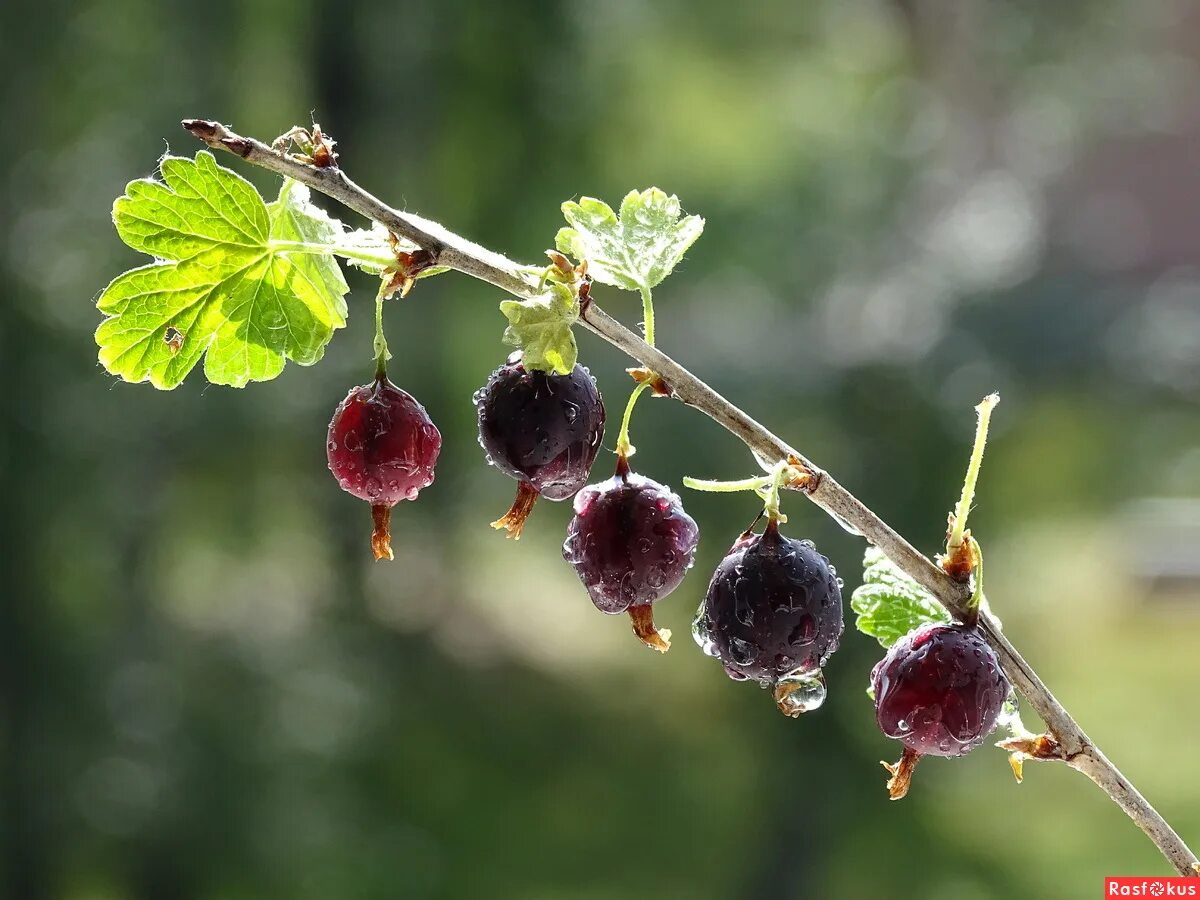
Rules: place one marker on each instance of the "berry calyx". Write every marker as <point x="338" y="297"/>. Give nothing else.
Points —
<point x="382" y="448"/>
<point x="939" y="691"/>
<point x="773" y="614"/>
<point x="631" y="543"/>
<point x="542" y="429"/>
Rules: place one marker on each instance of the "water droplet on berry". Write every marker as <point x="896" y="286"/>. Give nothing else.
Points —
<point x="800" y="691"/>
<point x="742" y="651"/>
<point x="735" y="675"/>
<point x="804" y="631"/>
<point x="702" y="638"/>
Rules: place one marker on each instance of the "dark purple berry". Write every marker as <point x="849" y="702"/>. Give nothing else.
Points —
<point x="938" y="691"/>
<point x="631" y="543"/>
<point x="542" y="429"/>
<point x="773" y="614"/>
<point x="382" y="448"/>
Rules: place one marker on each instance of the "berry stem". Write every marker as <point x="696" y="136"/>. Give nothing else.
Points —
<point x="984" y="409"/>
<point x="382" y="355"/>
<point x="642" y="618"/>
<point x="513" y="521"/>
<point x="771" y="494"/>
<point x="902" y="773"/>
<point x="624" y="448"/>
<point x="381" y="536"/>
<point x="975" y="553"/>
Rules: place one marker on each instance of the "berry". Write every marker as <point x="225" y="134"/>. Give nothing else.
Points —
<point x="938" y="691"/>
<point x="542" y="429"/>
<point x="631" y="543"/>
<point x="773" y="614"/>
<point x="382" y="448"/>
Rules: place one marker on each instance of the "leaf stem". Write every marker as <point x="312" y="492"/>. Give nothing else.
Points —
<point x="624" y="448"/>
<point x="648" y="314"/>
<point x="984" y="409"/>
<point x="382" y="260"/>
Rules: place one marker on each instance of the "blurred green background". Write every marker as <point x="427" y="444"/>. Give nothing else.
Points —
<point x="210" y="691"/>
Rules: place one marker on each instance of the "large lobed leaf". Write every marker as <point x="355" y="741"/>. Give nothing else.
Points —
<point x="222" y="286"/>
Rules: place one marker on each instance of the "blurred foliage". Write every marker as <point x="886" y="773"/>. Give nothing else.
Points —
<point x="208" y="690"/>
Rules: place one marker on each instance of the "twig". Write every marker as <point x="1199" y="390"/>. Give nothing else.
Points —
<point x="449" y="249"/>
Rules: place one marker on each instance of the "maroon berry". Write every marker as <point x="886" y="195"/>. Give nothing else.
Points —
<point x="542" y="429"/>
<point x="382" y="448"/>
<point x="631" y="543"/>
<point x="773" y="614"/>
<point x="938" y="691"/>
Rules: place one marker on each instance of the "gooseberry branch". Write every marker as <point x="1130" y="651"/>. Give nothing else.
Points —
<point x="1065" y="740"/>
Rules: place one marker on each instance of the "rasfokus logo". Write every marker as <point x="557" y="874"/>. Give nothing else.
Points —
<point x="1135" y="886"/>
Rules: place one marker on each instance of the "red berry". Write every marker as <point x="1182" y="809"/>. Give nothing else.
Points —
<point x="939" y="690"/>
<point x="382" y="449"/>
<point x="542" y="429"/>
<point x="631" y="543"/>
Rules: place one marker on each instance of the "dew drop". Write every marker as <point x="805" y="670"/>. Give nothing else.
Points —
<point x="804" y="631"/>
<point x="742" y="651"/>
<point x="702" y="638"/>
<point x="800" y="691"/>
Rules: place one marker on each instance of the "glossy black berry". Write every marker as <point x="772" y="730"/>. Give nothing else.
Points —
<point x="631" y="543"/>
<point x="939" y="690"/>
<point x="382" y="448"/>
<point x="773" y="611"/>
<point x="542" y="429"/>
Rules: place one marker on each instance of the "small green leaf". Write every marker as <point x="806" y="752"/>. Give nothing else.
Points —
<point x="542" y="329"/>
<point x="635" y="250"/>
<point x="889" y="604"/>
<point x="242" y="284"/>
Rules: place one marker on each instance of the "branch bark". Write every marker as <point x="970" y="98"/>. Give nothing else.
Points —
<point x="449" y="249"/>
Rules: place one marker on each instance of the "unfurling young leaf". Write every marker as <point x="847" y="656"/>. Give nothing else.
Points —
<point x="242" y="283"/>
<point x="542" y="329"/>
<point x="889" y="604"/>
<point x="636" y="250"/>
